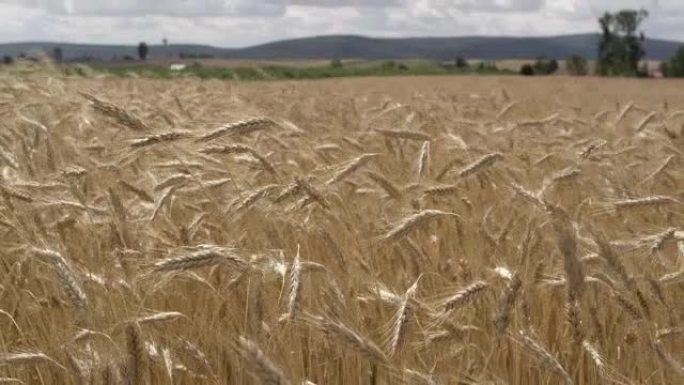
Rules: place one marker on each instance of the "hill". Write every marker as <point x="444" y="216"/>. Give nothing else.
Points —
<point x="346" y="46"/>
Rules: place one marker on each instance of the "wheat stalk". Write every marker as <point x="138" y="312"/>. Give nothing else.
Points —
<point x="160" y="317"/>
<point x="666" y="358"/>
<point x="259" y="364"/>
<point x="239" y="128"/>
<point x="645" y="121"/>
<point x="410" y="223"/>
<point x="391" y="190"/>
<point x="136" y="358"/>
<point x="464" y="296"/>
<point x="9" y="380"/>
<point x="544" y="356"/>
<point x="174" y="180"/>
<point x="293" y="304"/>
<point x="405" y="134"/>
<point x="312" y="192"/>
<point x="507" y="303"/>
<point x="140" y="193"/>
<point x="423" y="160"/>
<point x="480" y="164"/>
<point x="253" y="197"/>
<point x="163" y="137"/>
<point x="652" y="201"/>
<point x="567" y="243"/>
<point x="352" y="166"/>
<point x="399" y="329"/>
<point x="207" y="256"/>
<point x="119" y="114"/>
<point x="27" y="358"/>
<point x="354" y="340"/>
<point x="67" y="277"/>
<point x="241" y="149"/>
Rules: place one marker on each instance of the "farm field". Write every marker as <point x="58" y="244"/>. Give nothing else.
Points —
<point x="403" y="230"/>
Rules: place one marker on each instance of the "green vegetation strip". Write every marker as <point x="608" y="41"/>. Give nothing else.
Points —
<point x="279" y="72"/>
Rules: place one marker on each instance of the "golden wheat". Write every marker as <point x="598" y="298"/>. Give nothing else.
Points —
<point x="370" y="231"/>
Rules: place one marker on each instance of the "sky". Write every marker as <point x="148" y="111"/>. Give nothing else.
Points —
<point x="239" y="23"/>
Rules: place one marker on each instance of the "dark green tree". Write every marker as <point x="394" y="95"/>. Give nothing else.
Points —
<point x="576" y="65"/>
<point x="143" y="50"/>
<point x="544" y="66"/>
<point x="57" y="54"/>
<point x="527" y="70"/>
<point x="675" y="66"/>
<point x="621" y="44"/>
<point x="461" y="62"/>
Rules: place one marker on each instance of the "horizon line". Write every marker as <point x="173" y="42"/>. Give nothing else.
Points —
<point x="328" y="35"/>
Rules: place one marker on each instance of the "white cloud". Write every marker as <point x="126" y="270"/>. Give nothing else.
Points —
<point x="486" y="5"/>
<point x="247" y="22"/>
<point x="184" y="8"/>
<point x="348" y="3"/>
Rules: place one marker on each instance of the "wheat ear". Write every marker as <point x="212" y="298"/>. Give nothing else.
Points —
<point x="259" y="364"/>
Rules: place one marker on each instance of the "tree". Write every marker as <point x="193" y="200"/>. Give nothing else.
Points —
<point x="576" y="65"/>
<point x="674" y="67"/>
<point x="527" y="70"/>
<point x="621" y="46"/>
<point x="461" y="62"/>
<point x="143" y="50"/>
<point x="544" y="66"/>
<point x="553" y="66"/>
<point x="57" y="54"/>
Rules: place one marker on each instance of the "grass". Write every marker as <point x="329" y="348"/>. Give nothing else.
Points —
<point x="281" y="72"/>
<point x="397" y="230"/>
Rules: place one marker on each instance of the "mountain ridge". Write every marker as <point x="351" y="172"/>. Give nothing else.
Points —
<point x="361" y="47"/>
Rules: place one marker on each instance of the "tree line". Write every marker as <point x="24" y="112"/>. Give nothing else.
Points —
<point x="620" y="50"/>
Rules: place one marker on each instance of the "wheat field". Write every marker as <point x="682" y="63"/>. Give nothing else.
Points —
<point x="454" y="230"/>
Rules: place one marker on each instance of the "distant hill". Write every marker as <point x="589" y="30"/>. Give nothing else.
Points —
<point x="358" y="47"/>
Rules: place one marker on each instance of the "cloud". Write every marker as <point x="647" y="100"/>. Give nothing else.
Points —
<point x="182" y="8"/>
<point x="238" y="23"/>
<point x="453" y="8"/>
<point x="256" y="7"/>
<point x="349" y="3"/>
<point x="54" y="6"/>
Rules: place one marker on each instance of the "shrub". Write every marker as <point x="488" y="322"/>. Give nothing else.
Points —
<point x="7" y="60"/>
<point x="389" y="64"/>
<point x="544" y="66"/>
<point x="527" y="70"/>
<point x="486" y="67"/>
<point x="336" y="63"/>
<point x="461" y="62"/>
<point x="675" y="66"/>
<point x="576" y="65"/>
